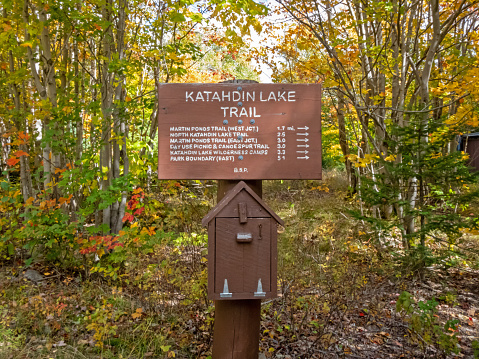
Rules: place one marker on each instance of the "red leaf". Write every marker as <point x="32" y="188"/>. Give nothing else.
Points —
<point x="131" y="204"/>
<point x="128" y="217"/>
<point x="21" y="153"/>
<point x="23" y="137"/>
<point x="12" y="161"/>
<point x="139" y="211"/>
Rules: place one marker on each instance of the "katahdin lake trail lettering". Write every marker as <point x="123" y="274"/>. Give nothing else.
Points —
<point x="227" y="96"/>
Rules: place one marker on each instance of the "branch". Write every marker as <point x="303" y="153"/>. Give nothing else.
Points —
<point x="420" y="111"/>
<point x="36" y="78"/>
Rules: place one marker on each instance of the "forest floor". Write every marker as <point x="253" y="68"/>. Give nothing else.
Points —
<point x="339" y="289"/>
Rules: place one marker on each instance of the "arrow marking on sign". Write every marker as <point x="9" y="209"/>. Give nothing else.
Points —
<point x="303" y="128"/>
<point x="302" y="158"/>
<point x="305" y="145"/>
<point x="302" y="139"/>
<point x="305" y="152"/>
<point x="303" y="134"/>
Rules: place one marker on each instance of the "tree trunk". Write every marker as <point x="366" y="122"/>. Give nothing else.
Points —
<point x="106" y="107"/>
<point x="114" y="149"/>
<point x="343" y="142"/>
<point x="25" y="174"/>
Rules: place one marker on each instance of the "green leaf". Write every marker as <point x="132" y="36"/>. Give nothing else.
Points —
<point x="165" y="348"/>
<point x="11" y="249"/>
<point x="28" y="262"/>
<point x="196" y="17"/>
<point x="177" y="17"/>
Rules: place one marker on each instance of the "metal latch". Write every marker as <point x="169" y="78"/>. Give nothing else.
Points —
<point x="244" y="237"/>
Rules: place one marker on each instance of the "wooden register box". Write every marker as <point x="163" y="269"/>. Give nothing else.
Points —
<point x="242" y="247"/>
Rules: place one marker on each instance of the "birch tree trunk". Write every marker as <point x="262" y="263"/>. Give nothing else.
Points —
<point x="343" y="142"/>
<point x="106" y="107"/>
<point x="46" y="86"/>
<point x="113" y="94"/>
<point x="25" y="174"/>
<point x="120" y="122"/>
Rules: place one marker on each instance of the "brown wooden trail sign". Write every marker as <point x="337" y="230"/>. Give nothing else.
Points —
<point x="232" y="132"/>
<point x="239" y="131"/>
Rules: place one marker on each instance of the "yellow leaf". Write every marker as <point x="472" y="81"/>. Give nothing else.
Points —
<point x="134" y="225"/>
<point x="172" y="56"/>
<point x="138" y="313"/>
<point x="352" y="157"/>
<point x="390" y="158"/>
<point x="326" y="308"/>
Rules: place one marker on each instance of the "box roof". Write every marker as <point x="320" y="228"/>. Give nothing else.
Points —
<point x="241" y="186"/>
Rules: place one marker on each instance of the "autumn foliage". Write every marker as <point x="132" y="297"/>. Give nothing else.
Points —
<point x="122" y="256"/>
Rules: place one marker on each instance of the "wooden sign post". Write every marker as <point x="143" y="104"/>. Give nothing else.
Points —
<point x="232" y="132"/>
<point x="242" y="266"/>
